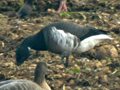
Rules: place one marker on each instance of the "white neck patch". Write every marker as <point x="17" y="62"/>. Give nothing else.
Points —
<point x="29" y="48"/>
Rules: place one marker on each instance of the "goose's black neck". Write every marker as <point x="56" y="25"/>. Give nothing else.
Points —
<point x="36" y="42"/>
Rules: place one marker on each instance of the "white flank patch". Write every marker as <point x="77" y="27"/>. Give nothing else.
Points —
<point x="88" y="43"/>
<point x="101" y="36"/>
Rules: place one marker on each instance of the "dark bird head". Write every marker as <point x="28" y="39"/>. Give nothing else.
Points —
<point x="22" y="54"/>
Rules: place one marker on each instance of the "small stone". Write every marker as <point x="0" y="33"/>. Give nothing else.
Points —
<point x="114" y="52"/>
<point x="118" y="50"/>
<point x="106" y="51"/>
<point x="71" y="82"/>
<point x="60" y="66"/>
<point x="108" y="72"/>
<point x="2" y="44"/>
<point x="76" y="21"/>
<point x="9" y="64"/>
<point x="117" y="23"/>
<point x="1" y="54"/>
<point x="20" y="74"/>
<point x="51" y="10"/>
<point x="90" y="64"/>
<point x="76" y="66"/>
<point x="68" y="88"/>
<point x="103" y="78"/>
<point x="99" y="64"/>
<point x="58" y="84"/>
<point x="104" y="61"/>
<point x="19" y="22"/>
<point x="78" y="88"/>
<point x="117" y="79"/>
<point x="65" y="19"/>
<point x="116" y="42"/>
<point x="96" y="77"/>
<point x="32" y="67"/>
<point x="14" y="36"/>
<point x="71" y="57"/>
<point x="105" y="69"/>
<point x="58" y="76"/>
<point x="41" y="25"/>
<point x="67" y="76"/>
<point x="37" y="60"/>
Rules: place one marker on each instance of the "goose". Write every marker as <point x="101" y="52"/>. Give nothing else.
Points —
<point x="21" y="84"/>
<point x="27" y="7"/>
<point x="61" y="38"/>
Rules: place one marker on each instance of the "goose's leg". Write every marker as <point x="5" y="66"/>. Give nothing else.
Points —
<point x="62" y="6"/>
<point x="63" y="55"/>
<point x="67" y="61"/>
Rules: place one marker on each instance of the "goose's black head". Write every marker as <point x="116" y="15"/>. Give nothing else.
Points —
<point x="22" y="54"/>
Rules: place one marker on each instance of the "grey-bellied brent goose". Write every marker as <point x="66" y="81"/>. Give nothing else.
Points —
<point x="61" y="38"/>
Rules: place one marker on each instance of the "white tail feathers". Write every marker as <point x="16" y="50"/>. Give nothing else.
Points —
<point x="102" y="37"/>
<point x="99" y="38"/>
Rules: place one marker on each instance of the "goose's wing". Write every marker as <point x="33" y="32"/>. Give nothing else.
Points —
<point x="80" y="31"/>
<point x="19" y="84"/>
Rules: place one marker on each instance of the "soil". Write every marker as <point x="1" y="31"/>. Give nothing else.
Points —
<point x="84" y="72"/>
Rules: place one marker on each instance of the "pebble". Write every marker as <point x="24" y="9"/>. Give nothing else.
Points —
<point x="51" y="10"/>
<point x="9" y="64"/>
<point x="106" y="51"/>
<point x="20" y="73"/>
<point x="98" y="64"/>
<point x="67" y="76"/>
<point x="102" y="69"/>
<point x="96" y="77"/>
<point x="60" y="66"/>
<point x="32" y="66"/>
<point x="58" y="76"/>
<point x="68" y="88"/>
<point x="90" y="64"/>
<point x="104" y="62"/>
<point x="2" y="44"/>
<point x="71" y="82"/>
<point x="116" y="42"/>
<point x="118" y="50"/>
<point x="58" y="84"/>
<point x="103" y="78"/>
<point x="76" y="66"/>
<point x="78" y="88"/>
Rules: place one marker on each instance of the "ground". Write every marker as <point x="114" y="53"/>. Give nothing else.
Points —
<point x="85" y="71"/>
